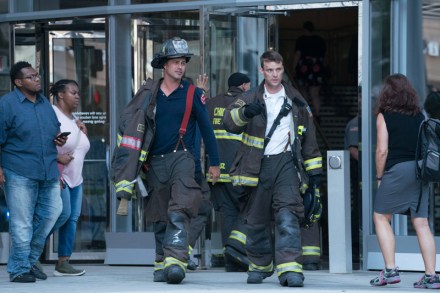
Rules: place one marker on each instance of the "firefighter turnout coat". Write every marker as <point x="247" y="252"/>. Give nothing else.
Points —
<point x="246" y="167"/>
<point x="135" y="135"/>
<point x="228" y="143"/>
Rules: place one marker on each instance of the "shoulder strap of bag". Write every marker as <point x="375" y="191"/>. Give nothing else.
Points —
<point x="285" y="109"/>
<point x="188" y="109"/>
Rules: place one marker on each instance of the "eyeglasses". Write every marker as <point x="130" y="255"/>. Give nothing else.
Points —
<point x="32" y="77"/>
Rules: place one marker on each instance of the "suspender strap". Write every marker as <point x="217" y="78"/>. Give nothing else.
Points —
<point x="285" y="109"/>
<point x="188" y="109"/>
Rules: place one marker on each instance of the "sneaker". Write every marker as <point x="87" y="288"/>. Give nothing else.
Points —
<point x="37" y="271"/>
<point x="292" y="279"/>
<point x="24" y="278"/>
<point x="428" y="282"/>
<point x="386" y="277"/>
<point x="159" y="276"/>
<point x="174" y="274"/>
<point x="66" y="269"/>
<point x="257" y="277"/>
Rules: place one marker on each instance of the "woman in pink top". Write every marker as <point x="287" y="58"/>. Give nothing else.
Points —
<point x="71" y="160"/>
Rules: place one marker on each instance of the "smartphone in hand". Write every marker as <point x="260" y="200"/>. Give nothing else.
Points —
<point x="62" y="135"/>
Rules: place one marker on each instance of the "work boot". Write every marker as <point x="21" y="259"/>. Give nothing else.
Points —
<point x="310" y="266"/>
<point x="159" y="276"/>
<point x="292" y="279"/>
<point x="174" y="274"/>
<point x="231" y="265"/>
<point x="257" y="277"/>
<point x="236" y="255"/>
<point x="192" y="266"/>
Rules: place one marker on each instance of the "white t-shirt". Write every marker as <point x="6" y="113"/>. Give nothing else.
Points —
<point x="280" y="137"/>
<point x="72" y="172"/>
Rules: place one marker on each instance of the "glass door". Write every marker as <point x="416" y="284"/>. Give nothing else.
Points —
<point x="80" y="55"/>
<point x="235" y="39"/>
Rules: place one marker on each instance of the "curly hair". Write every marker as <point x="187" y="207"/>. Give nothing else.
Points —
<point x="398" y="95"/>
<point x="60" y="86"/>
<point x="16" y="70"/>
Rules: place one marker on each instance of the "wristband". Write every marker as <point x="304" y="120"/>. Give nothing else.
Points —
<point x="378" y="178"/>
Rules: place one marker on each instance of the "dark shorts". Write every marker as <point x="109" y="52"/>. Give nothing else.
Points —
<point x="399" y="192"/>
<point x="310" y="72"/>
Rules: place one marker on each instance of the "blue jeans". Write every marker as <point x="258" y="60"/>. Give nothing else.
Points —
<point x="66" y="223"/>
<point x="34" y="206"/>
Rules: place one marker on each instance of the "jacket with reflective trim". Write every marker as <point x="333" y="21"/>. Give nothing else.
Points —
<point x="134" y="139"/>
<point x="246" y="165"/>
<point x="227" y="142"/>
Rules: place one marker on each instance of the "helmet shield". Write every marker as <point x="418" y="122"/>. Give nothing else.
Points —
<point x="172" y="48"/>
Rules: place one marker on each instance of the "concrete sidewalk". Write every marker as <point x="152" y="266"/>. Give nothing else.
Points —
<point x="104" y="278"/>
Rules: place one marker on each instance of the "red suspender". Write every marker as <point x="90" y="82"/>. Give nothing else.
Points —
<point x="188" y="109"/>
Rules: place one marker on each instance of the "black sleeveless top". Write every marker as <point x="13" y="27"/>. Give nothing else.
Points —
<point x="402" y="137"/>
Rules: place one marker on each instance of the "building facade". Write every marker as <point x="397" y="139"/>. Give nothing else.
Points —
<point x="107" y="46"/>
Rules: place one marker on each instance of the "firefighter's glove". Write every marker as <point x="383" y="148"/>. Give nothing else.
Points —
<point x="253" y="109"/>
<point x="314" y="182"/>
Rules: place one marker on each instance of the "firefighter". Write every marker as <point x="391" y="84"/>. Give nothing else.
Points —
<point x="278" y="159"/>
<point x="226" y="198"/>
<point x="160" y="134"/>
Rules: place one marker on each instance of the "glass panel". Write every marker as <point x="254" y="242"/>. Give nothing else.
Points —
<point x="236" y="39"/>
<point x="5" y="86"/>
<point x="40" y="5"/>
<point x="81" y="56"/>
<point x="380" y="48"/>
<point x="5" y="81"/>
<point x="25" y="44"/>
<point x="431" y="37"/>
<point x="157" y="1"/>
<point x="4" y="6"/>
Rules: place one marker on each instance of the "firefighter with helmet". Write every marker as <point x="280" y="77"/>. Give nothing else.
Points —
<point x="155" y="142"/>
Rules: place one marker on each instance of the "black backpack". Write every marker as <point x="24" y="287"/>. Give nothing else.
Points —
<point x="428" y="151"/>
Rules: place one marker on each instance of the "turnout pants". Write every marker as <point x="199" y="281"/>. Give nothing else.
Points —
<point x="311" y="244"/>
<point x="226" y="199"/>
<point x="176" y="194"/>
<point x="276" y="197"/>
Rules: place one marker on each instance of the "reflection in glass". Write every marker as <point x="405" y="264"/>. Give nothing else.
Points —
<point x="380" y="47"/>
<point x="5" y="81"/>
<point x="4" y="6"/>
<point x="81" y="56"/>
<point x="40" y="5"/>
<point x="431" y="37"/>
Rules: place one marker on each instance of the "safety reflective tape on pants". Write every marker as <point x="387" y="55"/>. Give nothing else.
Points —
<point x="289" y="267"/>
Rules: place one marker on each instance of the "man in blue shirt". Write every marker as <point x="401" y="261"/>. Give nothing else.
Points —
<point x="28" y="170"/>
<point x="175" y="196"/>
